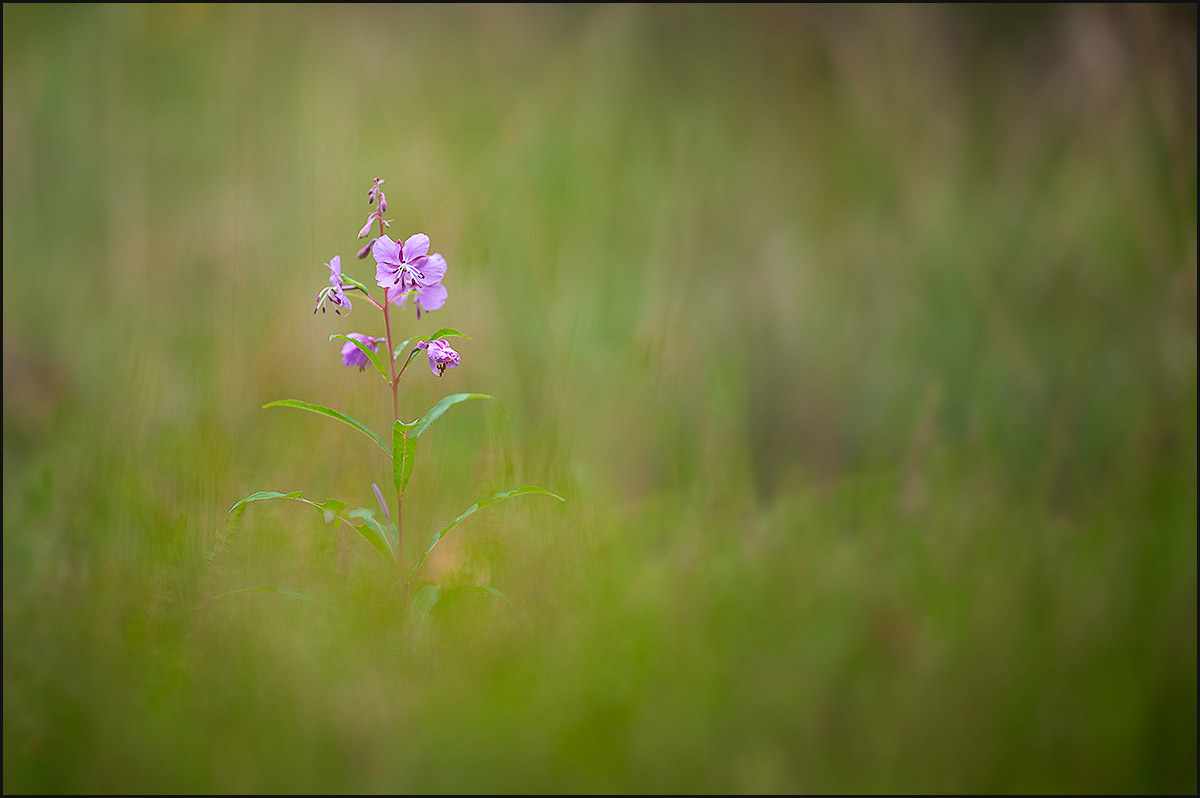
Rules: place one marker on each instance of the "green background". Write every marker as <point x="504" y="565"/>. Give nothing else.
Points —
<point x="861" y="342"/>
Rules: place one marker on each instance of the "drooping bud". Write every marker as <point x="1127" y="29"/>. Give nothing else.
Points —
<point x="366" y="228"/>
<point x="365" y="251"/>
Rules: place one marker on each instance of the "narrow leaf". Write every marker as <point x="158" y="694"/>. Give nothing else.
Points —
<point x="442" y="333"/>
<point x="325" y="411"/>
<point x="427" y="597"/>
<point x="399" y="350"/>
<point x="404" y="450"/>
<point x="496" y="593"/>
<point x="373" y="533"/>
<point x="266" y="494"/>
<point x="436" y="411"/>
<point x="368" y="527"/>
<point x="330" y="509"/>
<point x="366" y="350"/>
<point x="437" y="536"/>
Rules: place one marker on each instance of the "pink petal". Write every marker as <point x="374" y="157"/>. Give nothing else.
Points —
<point x="432" y="297"/>
<point x="386" y="251"/>
<point x="416" y="246"/>
<point x="433" y="268"/>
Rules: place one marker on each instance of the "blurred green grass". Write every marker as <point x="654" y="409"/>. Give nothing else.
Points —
<point x="861" y="341"/>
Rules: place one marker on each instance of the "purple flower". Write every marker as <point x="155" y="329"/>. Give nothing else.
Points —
<point x="405" y="268"/>
<point x="335" y="292"/>
<point x="441" y="356"/>
<point x="353" y="356"/>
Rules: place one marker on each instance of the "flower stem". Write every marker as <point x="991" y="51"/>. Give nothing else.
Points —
<point x="387" y="323"/>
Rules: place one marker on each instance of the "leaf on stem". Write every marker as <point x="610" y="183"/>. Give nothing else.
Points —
<point x="366" y="350"/>
<point x="441" y="407"/>
<point x="437" y="536"/>
<point x="330" y="509"/>
<point x="404" y="451"/>
<point x="368" y="527"/>
<point x="442" y="333"/>
<point x="325" y="411"/>
<point x="445" y="331"/>
<point x="372" y="531"/>
<point x="260" y="495"/>
<point x="399" y="350"/>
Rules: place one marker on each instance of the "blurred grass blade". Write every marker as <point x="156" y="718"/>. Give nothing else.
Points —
<point x="437" y="536"/>
<point x="496" y="593"/>
<point x="299" y="595"/>
<point x="366" y="350"/>
<point x="436" y="411"/>
<point x="325" y="411"/>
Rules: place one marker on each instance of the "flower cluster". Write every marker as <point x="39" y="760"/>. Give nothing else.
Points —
<point x="403" y="269"/>
<point x="377" y="214"/>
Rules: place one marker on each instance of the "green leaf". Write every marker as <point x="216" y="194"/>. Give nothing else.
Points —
<point x="366" y="350"/>
<point x="330" y="509"/>
<point x="437" y="536"/>
<point x="427" y="597"/>
<point x="372" y="532"/>
<point x="370" y="529"/>
<point x="436" y="411"/>
<point x="266" y="494"/>
<point x="404" y="451"/>
<point x="496" y="593"/>
<point x="442" y="333"/>
<point x="325" y="411"/>
<point x="399" y="350"/>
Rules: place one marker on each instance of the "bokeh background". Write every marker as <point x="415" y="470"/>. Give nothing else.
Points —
<point x="861" y="342"/>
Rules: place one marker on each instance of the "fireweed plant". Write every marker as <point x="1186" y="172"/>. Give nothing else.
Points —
<point x="404" y="270"/>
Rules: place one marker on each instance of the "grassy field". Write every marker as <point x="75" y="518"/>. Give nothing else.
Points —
<point x="861" y="342"/>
